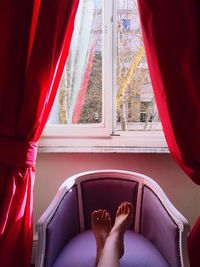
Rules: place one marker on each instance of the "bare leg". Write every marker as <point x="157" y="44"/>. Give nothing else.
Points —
<point x="101" y="225"/>
<point x="114" y="245"/>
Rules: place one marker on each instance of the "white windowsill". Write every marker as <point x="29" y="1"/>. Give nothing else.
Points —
<point x="102" y="149"/>
<point x="137" y="142"/>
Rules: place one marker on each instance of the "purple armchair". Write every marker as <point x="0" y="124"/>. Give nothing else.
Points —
<point x="157" y="237"/>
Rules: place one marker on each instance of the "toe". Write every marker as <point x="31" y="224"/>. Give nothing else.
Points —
<point x="107" y="216"/>
<point x="124" y="207"/>
<point x="100" y="214"/>
<point x="129" y="207"/>
<point x="109" y="221"/>
<point x="95" y="214"/>
<point x="120" y="209"/>
<point x="104" y="215"/>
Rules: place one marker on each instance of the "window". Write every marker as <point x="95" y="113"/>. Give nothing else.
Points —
<point x="105" y="90"/>
<point x="79" y="99"/>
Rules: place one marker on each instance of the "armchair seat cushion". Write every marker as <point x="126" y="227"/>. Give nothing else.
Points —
<point x="80" y="251"/>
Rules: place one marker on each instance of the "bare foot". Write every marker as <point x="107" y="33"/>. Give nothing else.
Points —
<point x="124" y="217"/>
<point x="101" y="225"/>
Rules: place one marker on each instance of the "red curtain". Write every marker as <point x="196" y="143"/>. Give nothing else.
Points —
<point x="34" y="43"/>
<point x="171" y="32"/>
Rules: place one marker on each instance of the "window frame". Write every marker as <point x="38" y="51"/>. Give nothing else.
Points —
<point x="100" y="137"/>
<point x="104" y="128"/>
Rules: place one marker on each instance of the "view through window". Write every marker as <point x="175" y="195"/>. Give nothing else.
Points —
<point x="79" y="97"/>
<point x="135" y="104"/>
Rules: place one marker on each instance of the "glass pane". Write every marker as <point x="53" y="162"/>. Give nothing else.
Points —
<point x="135" y="103"/>
<point x="79" y="98"/>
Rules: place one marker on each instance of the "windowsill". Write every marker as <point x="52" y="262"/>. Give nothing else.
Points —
<point x="72" y="149"/>
<point x="137" y="142"/>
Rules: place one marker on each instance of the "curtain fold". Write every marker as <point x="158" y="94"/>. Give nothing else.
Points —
<point x="171" y="33"/>
<point x="34" y="43"/>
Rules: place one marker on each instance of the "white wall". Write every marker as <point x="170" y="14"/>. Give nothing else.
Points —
<point x="53" y="169"/>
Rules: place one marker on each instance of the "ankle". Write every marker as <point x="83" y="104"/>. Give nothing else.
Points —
<point x="114" y="235"/>
<point x="116" y="239"/>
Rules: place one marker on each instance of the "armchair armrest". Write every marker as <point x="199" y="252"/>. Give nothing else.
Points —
<point x="58" y="224"/>
<point x="164" y="226"/>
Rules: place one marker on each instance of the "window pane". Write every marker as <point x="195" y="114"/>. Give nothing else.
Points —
<point x="79" y="98"/>
<point x="135" y="103"/>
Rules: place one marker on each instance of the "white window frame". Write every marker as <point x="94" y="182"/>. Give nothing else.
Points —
<point x="100" y="137"/>
<point x="104" y="128"/>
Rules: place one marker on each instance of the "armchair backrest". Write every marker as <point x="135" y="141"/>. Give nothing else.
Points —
<point x="106" y="193"/>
